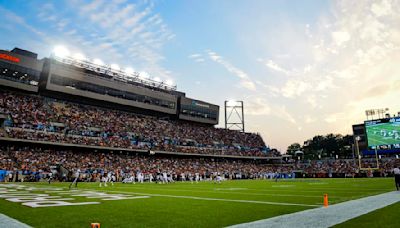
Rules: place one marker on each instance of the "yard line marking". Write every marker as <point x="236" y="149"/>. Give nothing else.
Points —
<point x="327" y="217"/>
<point x="285" y="189"/>
<point x="133" y="197"/>
<point x="219" y="199"/>
<point x="8" y="222"/>
<point x="230" y="192"/>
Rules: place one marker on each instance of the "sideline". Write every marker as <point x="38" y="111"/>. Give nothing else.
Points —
<point x="330" y="216"/>
<point x="215" y="199"/>
<point x="7" y="222"/>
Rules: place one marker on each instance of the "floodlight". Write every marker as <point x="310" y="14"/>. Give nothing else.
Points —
<point x="129" y="71"/>
<point x="60" y="51"/>
<point x="98" y="62"/>
<point x="115" y="67"/>
<point x="231" y="102"/>
<point x="169" y="82"/>
<point x="144" y="75"/>
<point x="157" y="79"/>
<point x="79" y="56"/>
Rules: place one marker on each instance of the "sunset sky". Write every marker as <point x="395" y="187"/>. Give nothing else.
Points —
<point x="302" y="67"/>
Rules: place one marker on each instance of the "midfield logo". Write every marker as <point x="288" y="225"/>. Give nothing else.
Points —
<point x="27" y="196"/>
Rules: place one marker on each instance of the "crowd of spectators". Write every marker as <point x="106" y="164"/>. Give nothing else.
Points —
<point x="37" y="163"/>
<point x="346" y="167"/>
<point x="44" y="119"/>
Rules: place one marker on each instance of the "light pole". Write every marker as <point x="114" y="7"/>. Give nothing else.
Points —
<point x="358" y="138"/>
<point x="234" y="115"/>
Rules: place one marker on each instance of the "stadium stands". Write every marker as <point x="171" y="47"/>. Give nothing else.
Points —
<point x="34" y="164"/>
<point x="37" y="162"/>
<point x="39" y="118"/>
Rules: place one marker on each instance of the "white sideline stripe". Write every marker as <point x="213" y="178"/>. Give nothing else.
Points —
<point x="134" y="197"/>
<point x="330" y="216"/>
<point x="219" y="199"/>
<point x="7" y="222"/>
<point x="232" y="192"/>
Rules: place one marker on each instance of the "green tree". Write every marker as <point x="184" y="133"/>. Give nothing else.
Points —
<point x="293" y="148"/>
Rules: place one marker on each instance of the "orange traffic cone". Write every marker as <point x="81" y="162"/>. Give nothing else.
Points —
<point x="326" y="200"/>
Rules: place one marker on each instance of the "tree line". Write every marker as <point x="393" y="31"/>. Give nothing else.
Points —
<point x="320" y="146"/>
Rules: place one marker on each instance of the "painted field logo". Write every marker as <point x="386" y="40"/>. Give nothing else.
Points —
<point x="27" y="196"/>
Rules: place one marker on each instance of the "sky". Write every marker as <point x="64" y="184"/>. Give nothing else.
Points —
<point x="302" y="68"/>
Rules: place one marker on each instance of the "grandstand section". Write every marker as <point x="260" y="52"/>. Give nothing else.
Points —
<point x="77" y="79"/>
<point x="77" y="102"/>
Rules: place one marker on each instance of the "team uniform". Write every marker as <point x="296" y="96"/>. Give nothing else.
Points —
<point x="76" y="178"/>
<point x="164" y="178"/>
<point x="396" y="172"/>
<point x="140" y="177"/>
<point x="218" y="178"/>
<point x="50" y="177"/>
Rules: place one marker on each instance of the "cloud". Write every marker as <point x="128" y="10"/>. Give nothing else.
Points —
<point x="245" y="80"/>
<point x="274" y="66"/>
<point x="294" y="88"/>
<point x="349" y="64"/>
<point x="381" y="8"/>
<point x="340" y="37"/>
<point x="15" y="19"/>
<point x="131" y="34"/>
<point x="256" y="105"/>
<point x="197" y="58"/>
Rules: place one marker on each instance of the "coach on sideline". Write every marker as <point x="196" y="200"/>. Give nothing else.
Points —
<point x="396" y="172"/>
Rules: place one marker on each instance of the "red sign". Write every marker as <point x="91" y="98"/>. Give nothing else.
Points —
<point x="9" y="58"/>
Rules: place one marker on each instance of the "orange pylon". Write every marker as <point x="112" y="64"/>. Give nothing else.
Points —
<point x="95" y="225"/>
<point x="326" y="200"/>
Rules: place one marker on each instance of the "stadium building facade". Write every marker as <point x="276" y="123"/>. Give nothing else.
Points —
<point x="86" y="82"/>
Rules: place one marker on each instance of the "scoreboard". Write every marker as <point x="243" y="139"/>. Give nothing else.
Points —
<point x="383" y="133"/>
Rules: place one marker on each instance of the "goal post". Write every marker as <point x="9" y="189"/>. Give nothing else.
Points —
<point x="359" y="160"/>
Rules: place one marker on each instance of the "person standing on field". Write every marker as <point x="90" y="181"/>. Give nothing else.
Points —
<point x="396" y="172"/>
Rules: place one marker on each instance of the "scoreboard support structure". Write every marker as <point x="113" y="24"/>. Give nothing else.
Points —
<point x="359" y="158"/>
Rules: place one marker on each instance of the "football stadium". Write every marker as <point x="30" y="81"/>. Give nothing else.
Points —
<point x="85" y="143"/>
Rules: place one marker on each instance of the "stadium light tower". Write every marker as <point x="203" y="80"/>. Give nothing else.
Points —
<point x="98" y="62"/>
<point x="129" y="70"/>
<point x="115" y="66"/>
<point x="234" y="115"/>
<point x="61" y="51"/>
<point x="79" y="56"/>
<point x="169" y="82"/>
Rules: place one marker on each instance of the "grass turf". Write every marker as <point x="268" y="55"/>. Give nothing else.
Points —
<point x="199" y="205"/>
<point x="385" y="217"/>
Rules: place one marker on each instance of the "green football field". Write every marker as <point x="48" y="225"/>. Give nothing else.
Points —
<point x="202" y="204"/>
<point x="375" y="138"/>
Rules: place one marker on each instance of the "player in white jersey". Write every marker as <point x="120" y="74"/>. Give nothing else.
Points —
<point x="103" y="180"/>
<point x="76" y="178"/>
<point x="109" y="179"/>
<point x="197" y="177"/>
<point x="151" y="178"/>
<point x="164" y="178"/>
<point x="218" y="179"/>
<point x="50" y="177"/>
<point x="140" y="177"/>
<point x="190" y="177"/>
<point x="170" y="178"/>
